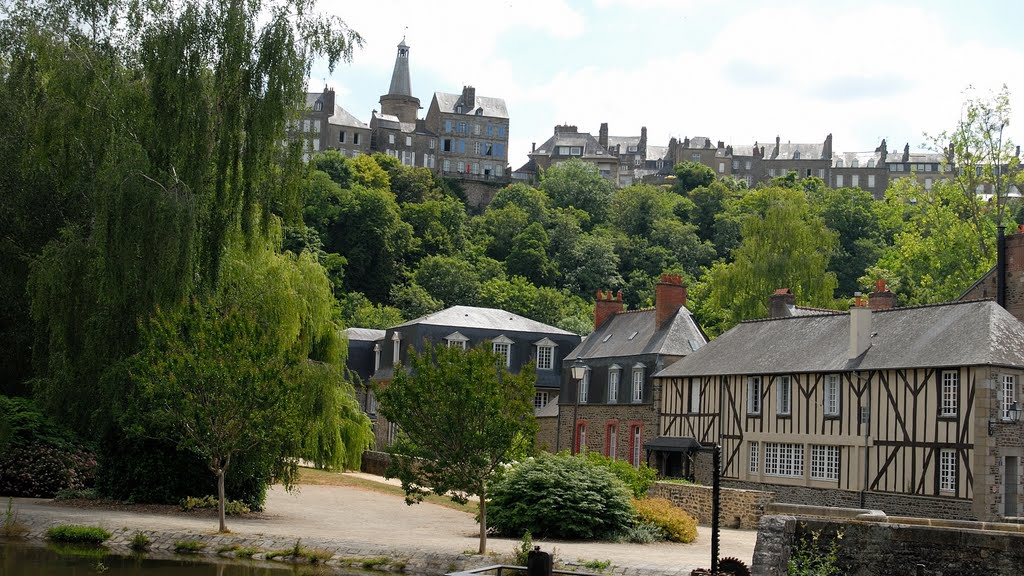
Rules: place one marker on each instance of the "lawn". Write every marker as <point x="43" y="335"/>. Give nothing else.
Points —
<point x="315" y="477"/>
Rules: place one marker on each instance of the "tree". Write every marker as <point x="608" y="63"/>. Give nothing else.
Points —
<point x="636" y="208"/>
<point x="462" y="415"/>
<point x="692" y="175"/>
<point x="451" y="280"/>
<point x="254" y="369"/>
<point x="529" y="257"/>
<point x="862" y="231"/>
<point x="578" y="184"/>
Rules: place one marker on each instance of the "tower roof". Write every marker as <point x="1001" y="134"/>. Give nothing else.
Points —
<point x="400" y="83"/>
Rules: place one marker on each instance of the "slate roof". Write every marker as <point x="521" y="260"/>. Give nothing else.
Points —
<point x="364" y="334"/>
<point x="656" y="152"/>
<point x="550" y="409"/>
<point x="946" y="335"/>
<point x="591" y="147"/>
<point x="494" y="107"/>
<point x="863" y="159"/>
<point x="341" y="117"/>
<point x="787" y="150"/>
<point x="681" y="336"/>
<point x="624" y="141"/>
<point x="485" y="318"/>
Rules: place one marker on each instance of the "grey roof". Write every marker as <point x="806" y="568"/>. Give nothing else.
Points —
<point x="341" y="117"/>
<point x="957" y="334"/>
<point x="672" y="444"/>
<point x="400" y="83"/>
<point x="787" y="150"/>
<point x="863" y="159"/>
<point x="655" y="152"/>
<point x="549" y="410"/>
<point x="486" y="318"/>
<point x="681" y="336"/>
<point x="624" y="141"/>
<point x="698" y="142"/>
<point x="364" y="334"/>
<point x="590" y="145"/>
<point x="493" y="107"/>
<point x="743" y="150"/>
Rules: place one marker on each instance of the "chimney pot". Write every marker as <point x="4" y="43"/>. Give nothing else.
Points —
<point x="881" y="298"/>
<point x="605" y="307"/>
<point x="779" y="303"/>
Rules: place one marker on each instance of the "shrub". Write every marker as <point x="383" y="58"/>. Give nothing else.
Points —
<point x="188" y="546"/>
<point x="813" y="555"/>
<point x="677" y="525"/>
<point x="139" y="542"/>
<point x="638" y="480"/>
<point x="560" y="496"/>
<point x="73" y="534"/>
<point x="11" y="527"/>
<point x="521" y="553"/>
<point x="644" y="533"/>
<point x="231" y="507"/>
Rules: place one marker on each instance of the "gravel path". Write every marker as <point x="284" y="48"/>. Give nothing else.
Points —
<point x="359" y="518"/>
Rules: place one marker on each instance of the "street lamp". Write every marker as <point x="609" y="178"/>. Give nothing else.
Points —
<point x="578" y="370"/>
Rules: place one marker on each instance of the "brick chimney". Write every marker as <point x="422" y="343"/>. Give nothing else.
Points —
<point x="1013" y="273"/>
<point x="606" y="306"/>
<point x="860" y="327"/>
<point x="882" y="298"/>
<point x="779" y="303"/>
<point x="669" y="297"/>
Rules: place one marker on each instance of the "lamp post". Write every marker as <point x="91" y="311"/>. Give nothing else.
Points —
<point x="578" y="370"/>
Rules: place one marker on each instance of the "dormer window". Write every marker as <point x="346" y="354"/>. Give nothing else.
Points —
<point x="796" y="155"/>
<point x="638" y="382"/>
<point x="376" y="357"/>
<point x="456" y="340"/>
<point x="585" y="387"/>
<point x="502" y="347"/>
<point x="614" y="374"/>
<point x="871" y="163"/>
<point x="396" y="340"/>
<point x="318" y="106"/>
<point x="545" y="354"/>
<point x="839" y="162"/>
<point x="458" y="109"/>
<point x="855" y="163"/>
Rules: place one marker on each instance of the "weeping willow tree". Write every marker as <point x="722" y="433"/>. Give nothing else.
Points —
<point x="150" y="135"/>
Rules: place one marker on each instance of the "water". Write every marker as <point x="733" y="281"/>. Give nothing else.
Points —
<point x="27" y="559"/>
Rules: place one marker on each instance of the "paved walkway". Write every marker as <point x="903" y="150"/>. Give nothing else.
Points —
<point x="374" y="523"/>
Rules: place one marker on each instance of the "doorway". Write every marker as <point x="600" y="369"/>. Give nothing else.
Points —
<point x="1011" y="486"/>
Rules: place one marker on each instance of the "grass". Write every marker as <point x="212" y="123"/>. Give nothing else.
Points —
<point x="227" y="548"/>
<point x="245" y="552"/>
<point x="73" y="534"/>
<point x="11" y="526"/>
<point x="314" y="477"/>
<point x="599" y="565"/>
<point x="682" y="481"/>
<point x="188" y="546"/>
<point x="140" y="542"/>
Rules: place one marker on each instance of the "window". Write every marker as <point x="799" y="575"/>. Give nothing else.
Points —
<point x="839" y="180"/>
<point x="501" y="130"/>
<point x="318" y="106"/>
<point x="341" y="137"/>
<point x="431" y="143"/>
<point x="462" y="146"/>
<point x="855" y="180"/>
<point x="585" y="387"/>
<point x="695" y="156"/>
<point x="477" y="148"/>
<point x="392" y="433"/>
<point x="796" y="155"/>
<point x="825" y="463"/>
<point x="871" y="163"/>
<point x="316" y="126"/>
<point x="635" y="442"/>
<point x="694" y="396"/>
<point x="832" y="395"/>
<point x="927" y="183"/>
<point x="446" y="165"/>
<point x="545" y="354"/>
<point x="446" y="144"/>
<point x="855" y="163"/>
<point x="540" y="399"/>
<point x="630" y="149"/>
<point x="458" y="109"/>
<point x="456" y="340"/>
<point x="408" y="140"/>
<point x="746" y="165"/>
<point x="316" y="145"/>
<point x="448" y="126"/>
<point x="462" y="128"/>
<point x="821" y="173"/>
<point x="754" y="395"/>
<point x="1009" y="394"/>
<point x="396" y="340"/>
<point x="950" y="386"/>
<point x="408" y="158"/>
<point x="771" y="171"/>
<point x="784" y="460"/>
<point x="839" y="163"/>
<point x="784" y="396"/>
<point x="721" y="167"/>
<point x="581" y="436"/>
<point x="613" y="441"/>
<point x="947" y="470"/>
<point x="871" y="180"/>
<point x="753" y="457"/>
<point x="613" y="383"/>
<point x="735" y="164"/>
<point x="376" y="357"/>
<point x="371" y="403"/>
<point x="391" y="138"/>
<point x="502" y="346"/>
<point x="638" y="383"/>
<point x="476" y="129"/>
<point x="305" y="125"/>
<point x="576" y="151"/>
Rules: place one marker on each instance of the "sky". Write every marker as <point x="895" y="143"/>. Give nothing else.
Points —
<point x="732" y="70"/>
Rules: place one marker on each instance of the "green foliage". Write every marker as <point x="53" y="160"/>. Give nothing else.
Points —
<point x="544" y="304"/>
<point x="674" y="522"/>
<point x="529" y="257"/>
<point x="11" y="527"/>
<point x="561" y="496"/>
<point x="644" y="533"/>
<point x="413" y="301"/>
<point x="532" y="201"/>
<point x="599" y="565"/>
<point x="452" y="281"/>
<point x="692" y="175"/>
<point x="521" y="553"/>
<point x="813" y="555"/>
<point x="862" y="227"/>
<point x="139" y="542"/>
<point x="38" y="470"/>
<point x="189" y="546"/>
<point x="209" y="502"/>
<point x="636" y="208"/>
<point x="578" y="184"/>
<point x="75" y="534"/>
<point x="462" y="416"/>
<point x="638" y="480"/>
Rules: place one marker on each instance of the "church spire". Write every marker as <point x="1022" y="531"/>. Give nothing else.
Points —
<point x="400" y="84"/>
<point x="399" y="100"/>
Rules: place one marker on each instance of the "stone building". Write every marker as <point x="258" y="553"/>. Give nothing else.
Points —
<point x="568" y="142"/>
<point x="614" y="409"/>
<point x="473" y="134"/>
<point x="324" y="125"/>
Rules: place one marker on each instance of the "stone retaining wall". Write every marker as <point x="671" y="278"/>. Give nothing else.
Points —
<point x="375" y="462"/>
<point x="739" y="508"/>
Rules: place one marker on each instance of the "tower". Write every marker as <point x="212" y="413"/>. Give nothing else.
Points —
<point x="399" y="100"/>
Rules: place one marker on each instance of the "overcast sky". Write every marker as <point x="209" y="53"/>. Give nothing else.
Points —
<point x="732" y="70"/>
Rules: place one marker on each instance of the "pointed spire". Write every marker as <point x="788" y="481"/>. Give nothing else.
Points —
<point x="400" y="83"/>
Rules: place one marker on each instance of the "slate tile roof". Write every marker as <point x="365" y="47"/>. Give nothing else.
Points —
<point x="485" y="318"/>
<point x="633" y="333"/>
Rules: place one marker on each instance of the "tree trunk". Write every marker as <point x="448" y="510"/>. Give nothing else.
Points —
<point x="483" y="519"/>
<point x="220" y="499"/>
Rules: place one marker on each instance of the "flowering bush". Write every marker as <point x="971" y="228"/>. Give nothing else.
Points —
<point x="674" y="522"/>
<point x="38" y="470"/>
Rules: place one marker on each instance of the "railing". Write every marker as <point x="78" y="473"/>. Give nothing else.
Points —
<point x="497" y="570"/>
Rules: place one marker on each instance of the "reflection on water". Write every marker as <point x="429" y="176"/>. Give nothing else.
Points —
<point x="24" y="559"/>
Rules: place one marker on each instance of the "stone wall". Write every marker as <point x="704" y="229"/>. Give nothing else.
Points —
<point x="885" y="548"/>
<point x="547" y="433"/>
<point x="598" y="416"/>
<point x="375" y="462"/>
<point x="739" y="508"/>
<point x="891" y="504"/>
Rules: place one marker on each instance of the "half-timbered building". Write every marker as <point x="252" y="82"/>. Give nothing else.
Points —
<point x="909" y="410"/>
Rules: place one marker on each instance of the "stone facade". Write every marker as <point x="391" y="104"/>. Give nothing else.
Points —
<point x="547" y="433"/>
<point x="472" y="135"/>
<point x="1014" y="275"/>
<point x="602" y="421"/>
<point x="738" y="508"/>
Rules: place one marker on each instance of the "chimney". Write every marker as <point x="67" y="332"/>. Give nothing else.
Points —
<point x="642" y="145"/>
<point x="669" y="297"/>
<point x="882" y="298"/>
<point x="779" y="303"/>
<point x="606" y="306"/>
<point x="860" y="328"/>
<point x="1001" y="266"/>
<point x="469" y="97"/>
<point x="602" y="135"/>
<point x="533" y="146"/>
<point x="906" y="153"/>
<point x="826" y="148"/>
<point x="775" y="152"/>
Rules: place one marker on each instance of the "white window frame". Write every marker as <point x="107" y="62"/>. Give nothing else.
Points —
<point x="502" y="346"/>
<point x="613" y="440"/>
<point x="584" y="390"/>
<point x="637" y="441"/>
<point x="638" y="383"/>
<point x="408" y="140"/>
<point x="614" y="377"/>
<point x="825" y="463"/>
<point x="1009" y="395"/>
<point x="581" y="438"/>
<point x="396" y="340"/>
<point x="754" y="391"/>
<point x="784" y="460"/>
<point x="855" y="180"/>
<point x="832" y="395"/>
<point x="456" y="340"/>
<point x="753" y="458"/>
<point x="376" y="357"/>
<point x="950" y="392"/>
<point x="545" y="354"/>
<point x="784" y="396"/>
<point x="947" y="470"/>
<point x="695" y="395"/>
<point x="871" y="180"/>
<point x="540" y="399"/>
<point x="371" y="403"/>
<point x="391" y="138"/>
<point x="839" y="180"/>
